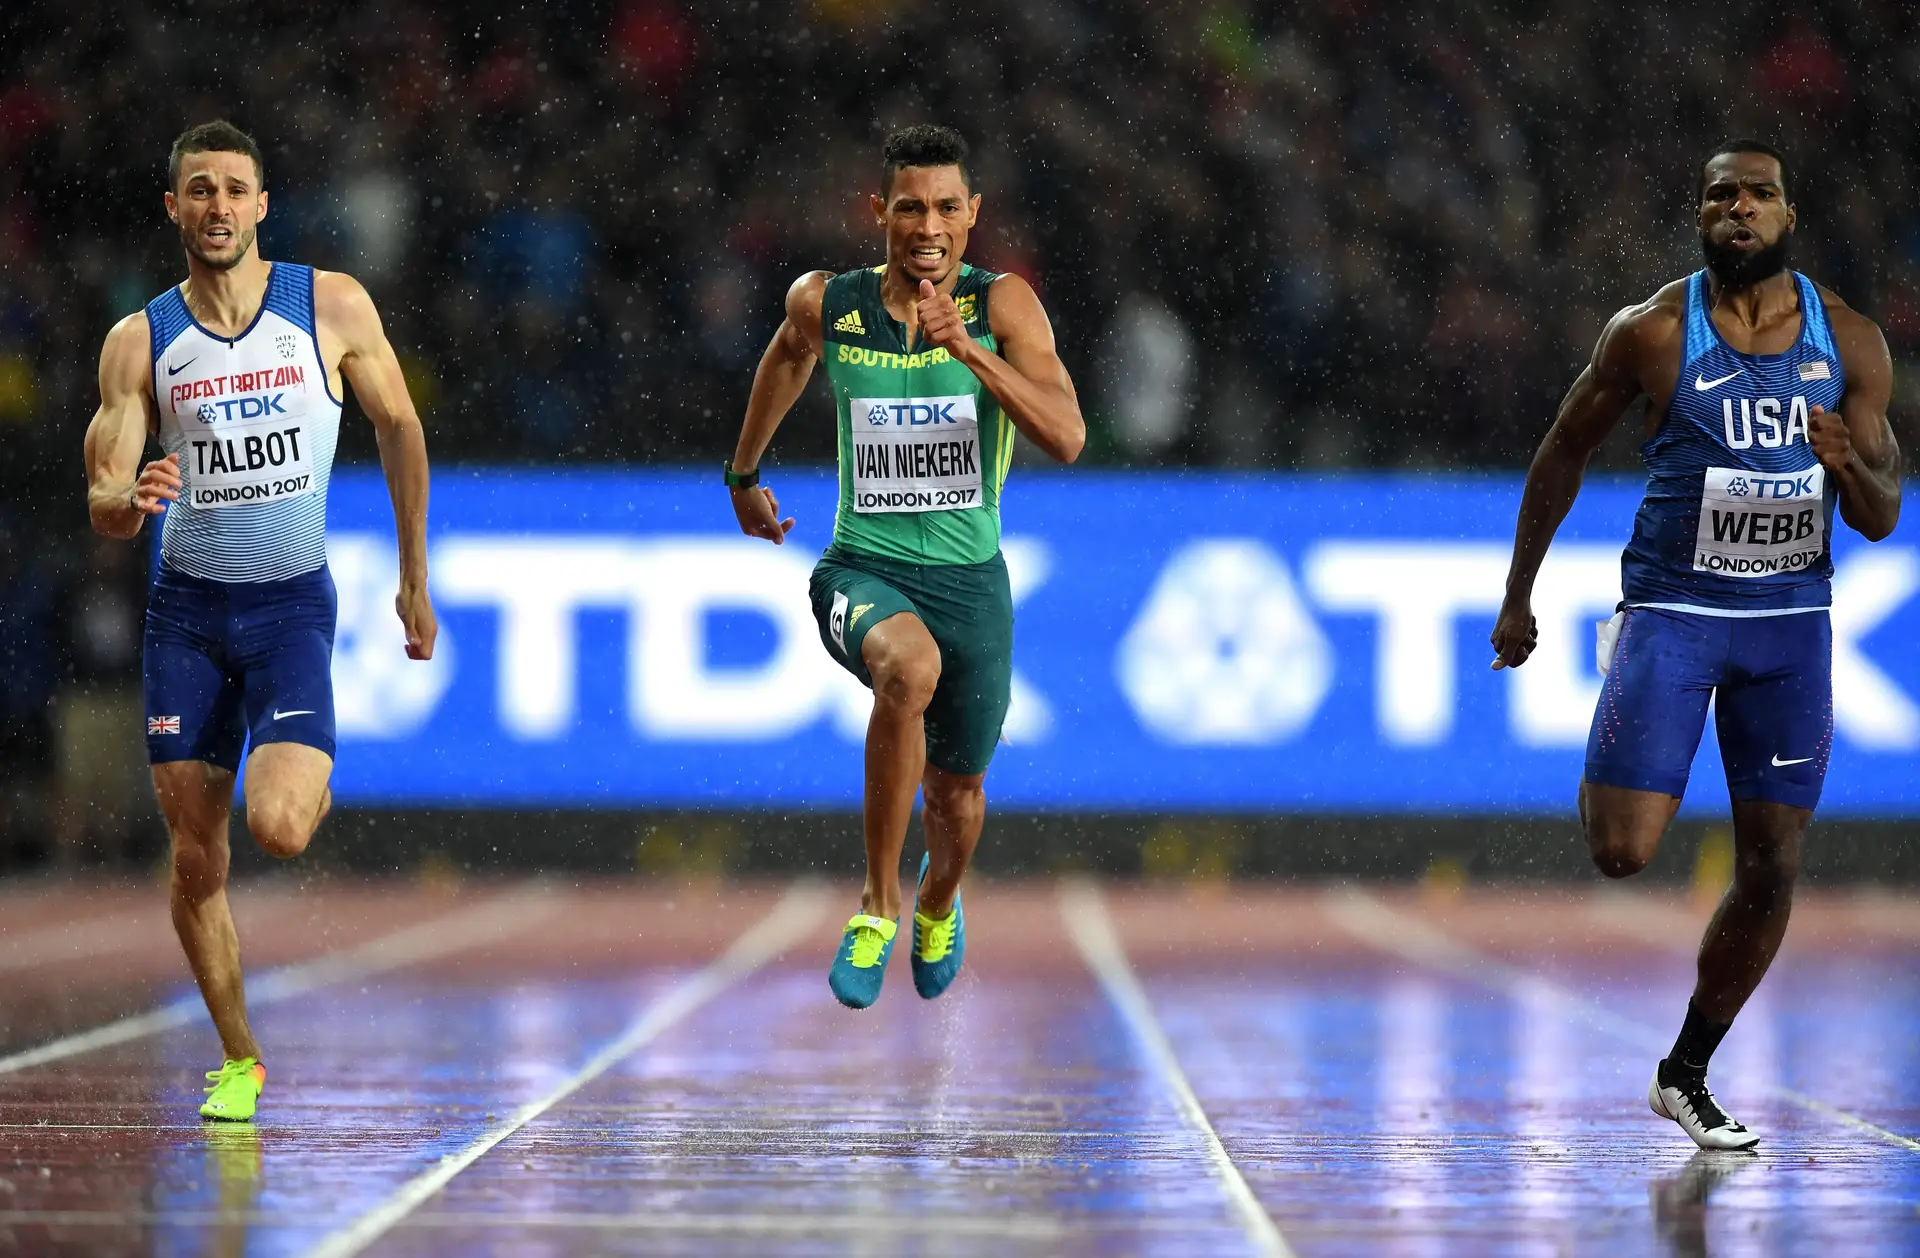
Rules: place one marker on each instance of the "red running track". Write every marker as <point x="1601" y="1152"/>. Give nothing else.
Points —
<point x="640" y="1068"/>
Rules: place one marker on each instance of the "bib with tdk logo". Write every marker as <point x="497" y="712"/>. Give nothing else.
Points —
<point x="924" y="447"/>
<point x="254" y="422"/>
<point x="1737" y="518"/>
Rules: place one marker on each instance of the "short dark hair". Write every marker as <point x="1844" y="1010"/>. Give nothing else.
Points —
<point x="923" y="145"/>
<point x="1743" y="145"/>
<point x="218" y="136"/>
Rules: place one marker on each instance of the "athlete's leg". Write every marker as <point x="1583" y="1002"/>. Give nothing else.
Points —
<point x="1646" y="728"/>
<point x="286" y="652"/>
<point x="953" y="809"/>
<point x="287" y="796"/>
<point x="1775" y="719"/>
<point x="1747" y="928"/>
<point x="901" y="656"/>
<point x="196" y="798"/>
<point x="1624" y="826"/>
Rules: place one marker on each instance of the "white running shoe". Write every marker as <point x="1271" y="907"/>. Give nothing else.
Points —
<point x="1691" y="1104"/>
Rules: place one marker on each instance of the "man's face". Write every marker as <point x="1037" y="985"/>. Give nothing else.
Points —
<point x="1745" y="219"/>
<point x="217" y="206"/>
<point x="927" y="214"/>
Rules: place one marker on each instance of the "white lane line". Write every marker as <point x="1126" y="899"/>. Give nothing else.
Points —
<point x="1092" y="932"/>
<point x="797" y="912"/>
<point x="1378" y="926"/>
<point x="437" y="937"/>
<point x="1008" y="1226"/>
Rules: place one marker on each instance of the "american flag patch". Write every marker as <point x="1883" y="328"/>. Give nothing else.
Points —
<point x="163" y="725"/>
<point x="1815" y="371"/>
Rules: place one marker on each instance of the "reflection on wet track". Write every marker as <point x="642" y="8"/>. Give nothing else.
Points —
<point x="596" y="1080"/>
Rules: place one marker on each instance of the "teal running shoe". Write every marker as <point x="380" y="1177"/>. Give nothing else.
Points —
<point x="938" y="946"/>
<point x="862" y="960"/>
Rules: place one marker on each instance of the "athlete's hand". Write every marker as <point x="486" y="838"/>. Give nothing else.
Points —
<point x="759" y="514"/>
<point x="416" y="613"/>
<point x="159" y="484"/>
<point x="1515" y="634"/>
<point x="1831" y="441"/>
<point x="940" y="321"/>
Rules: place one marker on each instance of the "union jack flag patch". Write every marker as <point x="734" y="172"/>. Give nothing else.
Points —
<point x="1815" y="371"/>
<point x="163" y="725"/>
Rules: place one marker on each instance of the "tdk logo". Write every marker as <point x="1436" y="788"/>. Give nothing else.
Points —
<point x="243" y="408"/>
<point x="1773" y="487"/>
<point x="911" y="413"/>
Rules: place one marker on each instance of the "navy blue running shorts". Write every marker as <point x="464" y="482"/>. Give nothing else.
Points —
<point x="1771" y="679"/>
<point x="228" y="664"/>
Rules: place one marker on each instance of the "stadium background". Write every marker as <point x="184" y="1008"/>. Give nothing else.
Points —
<point x="1294" y="259"/>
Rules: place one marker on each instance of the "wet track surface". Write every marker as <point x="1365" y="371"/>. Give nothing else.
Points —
<point x="560" y="1070"/>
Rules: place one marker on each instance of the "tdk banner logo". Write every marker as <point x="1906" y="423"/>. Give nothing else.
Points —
<point x="918" y="412"/>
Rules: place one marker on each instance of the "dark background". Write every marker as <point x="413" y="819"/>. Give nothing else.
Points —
<point x="1343" y="234"/>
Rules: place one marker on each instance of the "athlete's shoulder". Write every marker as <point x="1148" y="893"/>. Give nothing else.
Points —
<point x="1848" y="324"/>
<point x="127" y="354"/>
<point x="338" y="295"/>
<point x="1864" y="355"/>
<point x="806" y="298"/>
<point x="1648" y="326"/>
<point x="1012" y="303"/>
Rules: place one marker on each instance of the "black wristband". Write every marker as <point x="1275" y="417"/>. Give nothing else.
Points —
<point x="740" y="480"/>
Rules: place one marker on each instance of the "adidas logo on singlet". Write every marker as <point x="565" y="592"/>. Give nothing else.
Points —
<point x="850" y="322"/>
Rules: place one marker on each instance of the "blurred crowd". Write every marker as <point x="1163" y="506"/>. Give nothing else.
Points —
<point x="1339" y="234"/>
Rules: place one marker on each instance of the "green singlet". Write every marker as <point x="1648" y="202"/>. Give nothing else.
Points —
<point x="924" y="449"/>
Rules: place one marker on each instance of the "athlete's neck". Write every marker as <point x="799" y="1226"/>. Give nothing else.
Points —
<point x="900" y="290"/>
<point x="226" y="301"/>
<point x="1761" y="302"/>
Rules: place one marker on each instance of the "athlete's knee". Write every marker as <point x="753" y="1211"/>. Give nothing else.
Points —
<point x="955" y="798"/>
<point x="906" y="677"/>
<point x="1620" y="848"/>
<point x="279" y="828"/>
<point x="199" y="862"/>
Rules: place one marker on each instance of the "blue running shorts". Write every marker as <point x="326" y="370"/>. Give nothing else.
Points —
<point x="228" y="664"/>
<point x="1771" y="678"/>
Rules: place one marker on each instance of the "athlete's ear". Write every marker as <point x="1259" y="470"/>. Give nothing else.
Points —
<point x="260" y="211"/>
<point x="879" y="209"/>
<point x="173" y="208"/>
<point x="973" y="210"/>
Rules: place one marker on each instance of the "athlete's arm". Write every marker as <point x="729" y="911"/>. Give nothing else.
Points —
<point x="1857" y="445"/>
<point x="120" y="493"/>
<point x="1026" y="377"/>
<point x="1604" y="390"/>
<point x="368" y="362"/>
<point x="784" y="371"/>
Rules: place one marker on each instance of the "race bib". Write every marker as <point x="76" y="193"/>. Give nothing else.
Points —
<point x="915" y="454"/>
<point x="246" y="450"/>
<point x="1759" y="524"/>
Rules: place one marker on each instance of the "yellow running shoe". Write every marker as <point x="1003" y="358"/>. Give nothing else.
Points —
<point x="236" y="1090"/>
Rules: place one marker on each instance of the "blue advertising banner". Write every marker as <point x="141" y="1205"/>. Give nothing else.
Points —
<point x="1214" y="642"/>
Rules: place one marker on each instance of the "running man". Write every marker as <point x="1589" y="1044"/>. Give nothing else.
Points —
<point x="933" y="364"/>
<point x="1767" y="406"/>
<point x="238" y="371"/>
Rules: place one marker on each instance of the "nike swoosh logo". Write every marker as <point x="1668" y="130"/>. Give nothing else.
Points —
<point x="278" y="715"/>
<point x="174" y="371"/>
<point x="1703" y="384"/>
<point x="1778" y="763"/>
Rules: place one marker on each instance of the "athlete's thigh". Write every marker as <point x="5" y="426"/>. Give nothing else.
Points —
<point x="190" y="690"/>
<point x="971" y="619"/>
<point x="847" y="603"/>
<point x="1653" y="705"/>
<point x="284" y="647"/>
<point x="286" y="777"/>
<point x="196" y="798"/>
<point x="1775" y="714"/>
